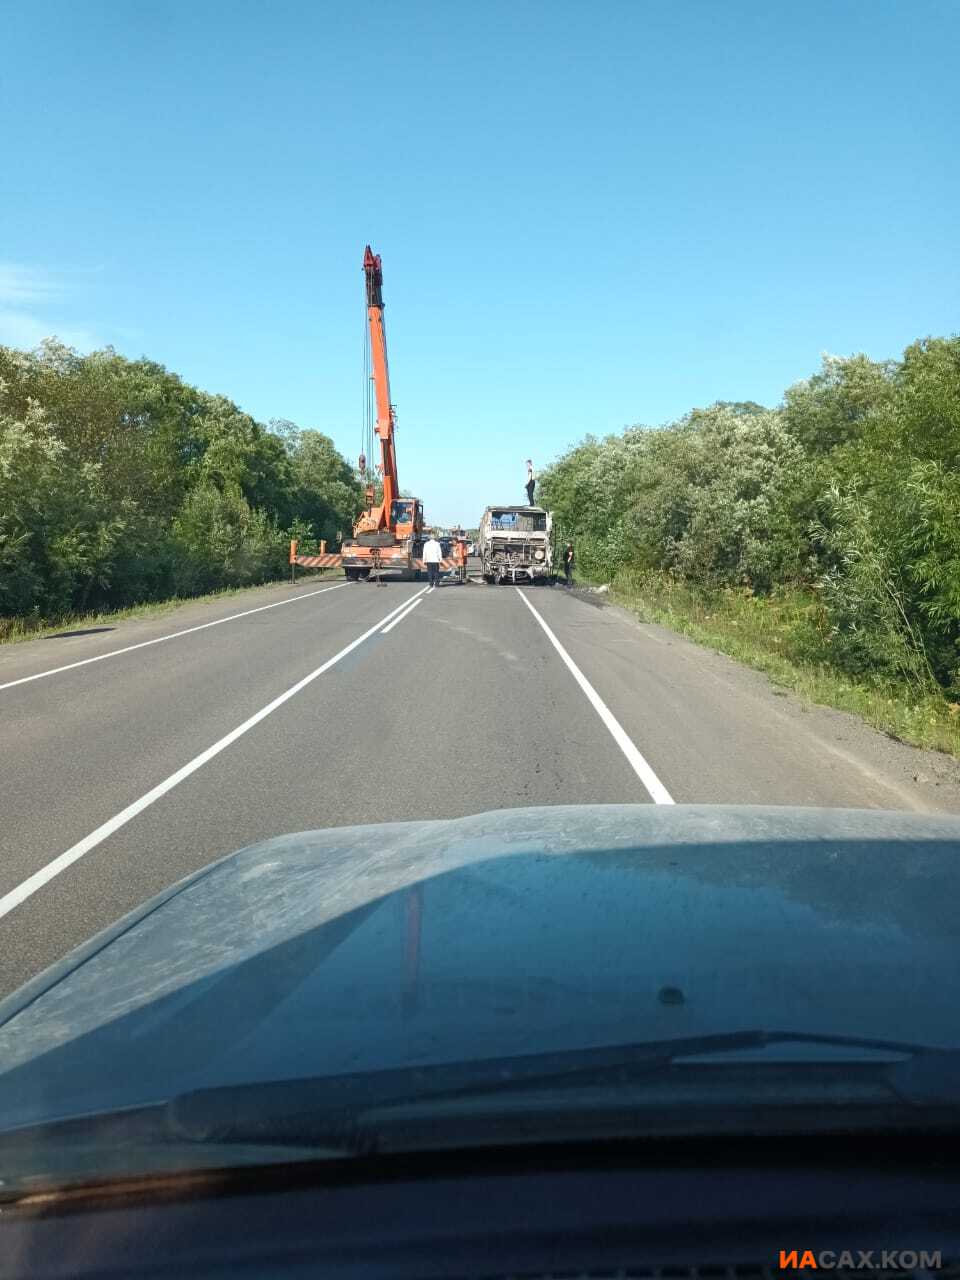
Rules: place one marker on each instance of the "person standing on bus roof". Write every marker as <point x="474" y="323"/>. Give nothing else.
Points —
<point x="531" y="482"/>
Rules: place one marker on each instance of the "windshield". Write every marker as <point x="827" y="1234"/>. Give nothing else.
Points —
<point x="520" y="521"/>
<point x="315" y="765"/>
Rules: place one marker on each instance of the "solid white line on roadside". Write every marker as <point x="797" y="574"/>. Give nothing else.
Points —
<point x="173" y="635"/>
<point x="407" y="611"/>
<point x="429" y="589"/>
<point x="30" y="886"/>
<point x="658" y="792"/>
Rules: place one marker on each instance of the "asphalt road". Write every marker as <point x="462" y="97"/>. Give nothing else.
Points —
<point x="297" y="709"/>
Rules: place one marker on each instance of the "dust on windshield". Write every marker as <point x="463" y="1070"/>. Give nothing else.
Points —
<point x="286" y="298"/>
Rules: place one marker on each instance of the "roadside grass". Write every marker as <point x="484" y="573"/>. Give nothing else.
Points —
<point x="14" y="630"/>
<point x="785" y="635"/>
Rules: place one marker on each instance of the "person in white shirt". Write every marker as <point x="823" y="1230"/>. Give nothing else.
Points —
<point x="432" y="555"/>
<point x="531" y="482"/>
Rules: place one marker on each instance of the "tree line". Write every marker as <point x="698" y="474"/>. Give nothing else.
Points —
<point x="848" y="491"/>
<point x="121" y="483"/>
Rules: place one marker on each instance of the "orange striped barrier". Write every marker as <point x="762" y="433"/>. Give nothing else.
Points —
<point x="318" y="562"/>
<point x="334" y="561"/>
<point x="444" y="564"/>
<point x="322" y="561"/>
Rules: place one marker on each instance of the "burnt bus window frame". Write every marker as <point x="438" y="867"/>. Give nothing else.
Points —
<point x="524" y="522"/>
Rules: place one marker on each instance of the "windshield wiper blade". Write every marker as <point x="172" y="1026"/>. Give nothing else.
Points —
<point x="626" y="1061"/>
<point x="330" y="1108"/>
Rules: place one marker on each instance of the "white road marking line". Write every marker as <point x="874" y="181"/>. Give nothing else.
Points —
<point x="658" y="792"/>
<point x="429" y="589"/>
<point x="173" y="635"/>
<point x="30" y="886"/>
<point x="409" y="610"/>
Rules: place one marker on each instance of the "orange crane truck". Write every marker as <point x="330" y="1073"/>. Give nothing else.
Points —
<point x="388" y="536"/>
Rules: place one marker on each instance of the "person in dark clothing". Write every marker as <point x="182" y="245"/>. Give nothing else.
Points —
<point x="568" y="560"/>
<point x="531" y="482"/>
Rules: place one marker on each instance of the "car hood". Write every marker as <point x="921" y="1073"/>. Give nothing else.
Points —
<point x="514" y="932"/>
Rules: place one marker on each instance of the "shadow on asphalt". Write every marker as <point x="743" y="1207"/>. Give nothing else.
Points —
<point x="86" y="631"/>
<point x="587" y="596"/>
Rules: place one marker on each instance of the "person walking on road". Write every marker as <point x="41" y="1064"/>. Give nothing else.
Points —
<point x="568" y="560"/>
<point x="432" y="555"/>
<point x="531" y="483"/>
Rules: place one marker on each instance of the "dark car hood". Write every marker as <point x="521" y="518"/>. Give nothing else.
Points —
<point x="519" y="931"/>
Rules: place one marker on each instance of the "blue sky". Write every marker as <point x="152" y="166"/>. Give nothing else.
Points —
<point x="590" y="214"/>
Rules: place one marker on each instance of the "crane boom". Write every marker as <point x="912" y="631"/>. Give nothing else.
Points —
<point x="387" y="537"/>
<point x="381" y="382"/>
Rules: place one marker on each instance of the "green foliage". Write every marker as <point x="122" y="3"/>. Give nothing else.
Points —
<point x="848" y="492"/>
<point x="588" y="491"/>
<point x="892" y="529"/>
<point x="784" y="635"/>
<point x="120" y="483"/>
<point x="865" y="596"/>
<point x="709" y="497"/>
<point x="327" y="492"/>
<point x="832" y="407"/>
<point x="222" y="541"/>
<point x="59" y="538"/>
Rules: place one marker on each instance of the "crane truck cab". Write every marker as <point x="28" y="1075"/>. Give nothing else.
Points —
<point x="515" y="544"/>
<point x="391" y="550"/>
